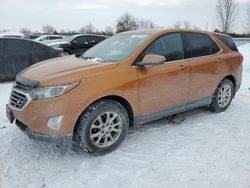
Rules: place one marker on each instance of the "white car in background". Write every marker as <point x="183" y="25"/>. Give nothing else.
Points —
<point x="11" y="34"/>
<point x="45" y="38"/>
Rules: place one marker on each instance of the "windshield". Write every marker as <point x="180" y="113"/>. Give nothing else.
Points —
<point x="117" y="47"/>
<point x="68" y="38"/>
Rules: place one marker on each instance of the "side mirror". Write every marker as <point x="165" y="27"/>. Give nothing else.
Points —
<point x="151" y="60"/>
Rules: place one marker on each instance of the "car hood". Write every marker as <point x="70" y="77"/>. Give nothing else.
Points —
<point x="64" y="70"/>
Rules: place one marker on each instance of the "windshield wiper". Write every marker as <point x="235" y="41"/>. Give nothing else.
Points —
<point x="95" y="59"/>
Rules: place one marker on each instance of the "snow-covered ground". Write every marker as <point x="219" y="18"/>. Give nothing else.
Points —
<point x="206" y="150"/>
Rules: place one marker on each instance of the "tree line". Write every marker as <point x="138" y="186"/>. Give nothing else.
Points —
<point x="226" y="11"/>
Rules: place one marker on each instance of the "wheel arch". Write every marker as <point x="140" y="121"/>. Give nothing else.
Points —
<point x="67" y="50"/>
<point x="115" y="98"/>
<point x="232" y="79"/>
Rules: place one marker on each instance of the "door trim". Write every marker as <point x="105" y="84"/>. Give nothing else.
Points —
<point x="174" y="110"/>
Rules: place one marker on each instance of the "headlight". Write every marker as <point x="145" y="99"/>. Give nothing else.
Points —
<point x="50" y="92"/>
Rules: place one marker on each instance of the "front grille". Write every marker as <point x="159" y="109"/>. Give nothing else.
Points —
<point x="17" y="99"/>
<point x="21" y="86"/>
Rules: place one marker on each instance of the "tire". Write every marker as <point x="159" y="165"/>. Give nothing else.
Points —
<point x="95" y="134"/>
<point x="223" y="96"/>
<point x="66" y="53"/>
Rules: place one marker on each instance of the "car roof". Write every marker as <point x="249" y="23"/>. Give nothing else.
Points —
<point x="40" y="36"/>
<point x="161" y="31"/>
<point x="221" y="34"/>
<point x="77" y="35"/>
<point x="23" y="39"/>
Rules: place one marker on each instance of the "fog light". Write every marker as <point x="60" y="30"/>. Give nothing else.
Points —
<point x="55" y="122"/>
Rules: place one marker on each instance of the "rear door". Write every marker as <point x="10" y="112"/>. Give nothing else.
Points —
<point x="204" y="56"/>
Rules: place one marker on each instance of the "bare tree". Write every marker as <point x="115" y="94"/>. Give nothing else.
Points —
<point x="195" y="27"/>
<point x="178" y="25"/>
<point x="3" y="30"/>
<point x="146" y="24"/>
<point x="226" y="14"/>
<point x="248" y="18"/>
<point x="109" y="30"/>
<point x="48" y="29"/>
<point x="89" y="29"/>
<point x="187" y="24"/>
<point x="126" y="22"/>
<point x="25" y="31"/>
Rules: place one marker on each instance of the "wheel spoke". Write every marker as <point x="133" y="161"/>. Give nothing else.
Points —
<point x="113" y="118"/>
<point x="98" y="140"/>
<point x="107" y="117"/>
<point x="117" y="130"/>
<point x="111" y="137"/>
<point x="98" y="134"/>
<point x="95" y="127"/>
<point x="100" y="120"/>
<point x="105" y="140"/>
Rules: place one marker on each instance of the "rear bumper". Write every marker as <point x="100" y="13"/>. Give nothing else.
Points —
<point x="64" y="141"/>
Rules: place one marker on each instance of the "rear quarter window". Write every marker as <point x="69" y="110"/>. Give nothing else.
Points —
<point x="228" y="41"/>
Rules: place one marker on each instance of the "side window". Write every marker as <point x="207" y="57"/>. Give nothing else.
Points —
<point x="197" y="45"/>
<point x="169" y="45"/>
<point x="214" y="47"/>
<point x="14" y="45"/>
<point x="92" y="39"/>
<point x="99" y="39"/>
<point x="228" y="42"/>
<point x="79" y="40"/>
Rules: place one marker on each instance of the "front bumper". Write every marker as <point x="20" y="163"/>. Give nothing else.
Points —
<point x="36" y="113"/>
<point x="64" y="141"/>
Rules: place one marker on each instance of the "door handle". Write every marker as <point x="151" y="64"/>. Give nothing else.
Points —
<point x="219" y="60"/>
<point x="182" y="67"/>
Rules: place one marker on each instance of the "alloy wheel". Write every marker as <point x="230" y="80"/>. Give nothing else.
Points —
<point x="106" y="129"/>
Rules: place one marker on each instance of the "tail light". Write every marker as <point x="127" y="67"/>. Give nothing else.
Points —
<point x="241" y="58"/>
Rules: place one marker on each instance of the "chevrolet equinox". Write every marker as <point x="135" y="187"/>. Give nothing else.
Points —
<point x="91" y="100"/>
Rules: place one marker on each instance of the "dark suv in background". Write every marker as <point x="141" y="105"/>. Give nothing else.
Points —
<point x="77" y="44"/>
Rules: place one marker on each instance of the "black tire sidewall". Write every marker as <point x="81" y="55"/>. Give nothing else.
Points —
<point x="91" y="115"/>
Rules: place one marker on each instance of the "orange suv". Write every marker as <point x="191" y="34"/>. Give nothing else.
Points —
<point x="91" y="100"/>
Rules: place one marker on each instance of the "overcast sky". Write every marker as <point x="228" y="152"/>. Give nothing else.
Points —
<point x="72" y="14"/>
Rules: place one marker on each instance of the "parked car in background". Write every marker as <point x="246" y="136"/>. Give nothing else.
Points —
<point x="32" y="37"/>
<point x="76" y="44"/>
<point x="18" y="54"/>
<point x="44" y="38"/>
<point x="129" y="79"/>
<point x="11" y="34"/>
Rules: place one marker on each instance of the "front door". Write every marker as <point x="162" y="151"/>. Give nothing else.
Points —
<point x="163" y="88"/>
